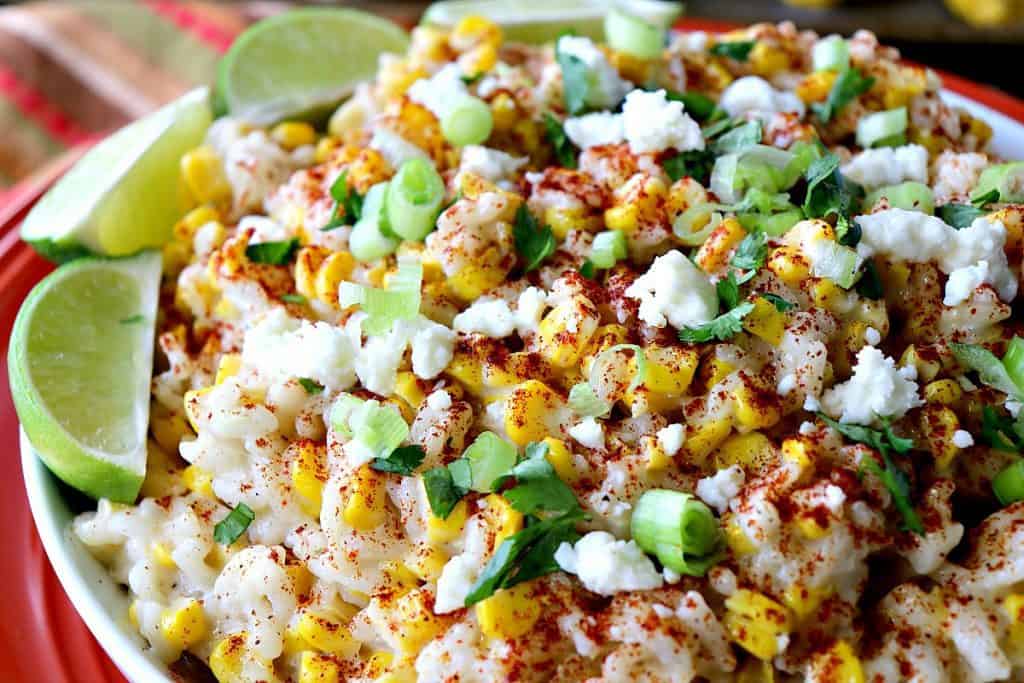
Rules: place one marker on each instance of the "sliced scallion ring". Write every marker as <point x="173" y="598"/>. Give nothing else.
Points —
<point x="693" y="226"/>
<point x="467" y="121"/>
<point x="367" y="242"/>
<point x="489" y="457"/>
<point x="831" y="53"/>
<point x="1008" y="485"/>
<point x="876" y="130"/>
<point x="414" y="198"/>
<point x="608" y="248"/>
<point x="1008" y="179"/>
<point x="678" y="529"/>
<point x="909" y="196"/>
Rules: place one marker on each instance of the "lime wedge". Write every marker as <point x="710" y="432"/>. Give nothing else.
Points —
<point x="80" y="360"/>
<point x="303" y="61"/>
<point x="539" y="21"/>
<point x="124" y="194"/>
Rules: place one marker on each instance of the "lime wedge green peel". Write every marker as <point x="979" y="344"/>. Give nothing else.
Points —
<point x="540" y="21"/>
<point x="80" y="360"/>
<point x="302" y="62"/>
<point x="124" y="194"/>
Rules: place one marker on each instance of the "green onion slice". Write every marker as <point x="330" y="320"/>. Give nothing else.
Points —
<point x="368" y="241"/>
<point x="608" y="248"/>
<point x="910" y="196"/>
<point x="379" y="428"/>
<point x="229" y="529"/>
<point x="414" y="199"/>
<point x="1008" y="485"/>
<point x="584" y="402"/>
<point x="873" y="129"/>
<point x="489" y="457"/>
<point x="678" y="529"/>
<point x="831" y="53"/>
<point x="633" y="35"/>
<point x="383" y="307"/>
<point x="467" y="121"/>
<point x="1007" y="179"/>
<point x="1013" y="361"/>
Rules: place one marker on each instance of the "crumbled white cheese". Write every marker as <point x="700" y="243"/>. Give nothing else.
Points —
<point x="530" y="310"/>
<point x="377" y="360"/>
<point x="963" y="281"/>
<point x="395" y="149"/>
<point x="962" y="439"/>
<point x="489" y="317"/>
<point x="874" y="168"/>
<point x="877" y="389"/>
<point x="807" y="428"/>
<point x="653" y="123"/>
<point x="438" y="92"/>
<point x="721" y="487"/>
<point x="263" y="229"/>
<point x="834" y="497"/>
<point x="439" y="400"/>
<point x="283" y="348"/>
<point x="606" y="565"/>
<point x="918" y="237"/>
<point x="755" y="96"/>
<point x="457" y="578"/>
<point x="872" y="336"/>
<point x="433" y="346"/>
<point x="592" y="130"/>
<point x="607" y="88"/>
<point x="671" y="438"/>
<point x="589" y="433"/>
<point x="811" y="404"/>
<point x="787" y="383"/>
<point x="490" y="164"/>
<point x="674" y="291"/>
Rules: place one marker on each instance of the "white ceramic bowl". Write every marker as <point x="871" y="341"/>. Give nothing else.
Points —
<point x="103" y="604"/>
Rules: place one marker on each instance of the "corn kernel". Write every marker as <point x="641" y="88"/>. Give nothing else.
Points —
<point x="811" y="527"/>
<point x="927" y="368"/>
<point x="714" y="253"/>
<point x="755" y="408"/>
<point x="703" y="438"/>
<point x="426" y="561"/>
<point x="767" y="59"/>
<point x="419" y="624"/>
<point x="804" y="601"/>
<point x="198" y="480"/>
<point x="737" y="540"/>
<point x="750" y="450"/>
<point x="326" y="635"/>
<point x="796" y="452"/>
<point x="204" y="176"/>
<point x="508" y="613"/>
<point x="670" y="369"/>
<point x="1013" y="608"/>
<point x="377" y="664"/>
<point x="407" y="388"/>
<point x="789" y="265"/>
<point x="838" y="664"/>
<point x="504" y="112"/>
<point x="938" y="423"/>
<point x="766" y="322"/>
<point x="472" y="30"/>
<point x="501" y="517"/>
<point x="472" y="280"/>
<point x="335" y="269"/>
<point x="161" y="555"/>
<point x="447" y="530"/>
<point x="229" y="365"/>
<point x="293" y="134"/>
<point x="308" y="474"/>
<point x="184" y="626"/>
<point x="825" y="293"/>
<point x="186" y="228"/>
<point x="478" y="60"/>
<point x="192" y="398"/>
<point x="307" y="262"/>
<point x="366" y="508"/>
<point x="561" y="459"/>
<point x="943" y="391"/>
<point x="1012" y="218"/>
<point x="754" y="621"/>
<point x="314" y="668"/>
<point x="563" y="219"/>
<point x="815" y="87"/>
<point x="468" y="371"/>
<point x="564" y="332"/>
<point x="133" y="613"/>
<point x="226" y="659"/>
<point x="529" y="409"/>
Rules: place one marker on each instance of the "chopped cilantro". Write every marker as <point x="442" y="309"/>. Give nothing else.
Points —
<point x="227" y="530"/>
<point x="132" y="319"/>
<point x="272" y="253"/>
<point x="443" y="494"/>
<point x="828" y="192"/>
<point x="348" y="207"/>
<point x="722" y="328"/>
<point x="470" y="80"/>
<point x="716" y="128"/>
<point x="565" y="151"/>
<point x="781" y="305"/>
<point x="575" y="81"/>
<point x="990" y="369"/>
<point x="538" y="487"/>
<point x="533" y="242"/>
<point x="880" y="439"/>
<point x="403" y="460"/>
<point x="587" y="269"/>
<point x="311" y="386"/>
<point x="294" y="299"/>
<point x="959" y="216"/>
<point x="750" y="254"/>
<point x="700" y="107"/>
<point x="870" y="285"/>
<point x="696" y="164"/>
<point x="738" y="50"/>
<point x="990" y="197"/>
<point x="739" y="138"/>
<point x="728" y="291"/>
<point x="999" y="431"/>
<point x="850" y="85"/>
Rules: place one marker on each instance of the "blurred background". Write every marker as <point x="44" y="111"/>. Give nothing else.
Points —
<point x="70" y="71"/>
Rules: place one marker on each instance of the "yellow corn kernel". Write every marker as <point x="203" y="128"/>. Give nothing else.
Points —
<point x="789" y="265"/>
<point x="225" y="310"/>
<point x="229" y="365"/>
<point x="161" y="555"/>
<point x="368" y="169"/>
<point x="560" y="458"/>
<point x="198" y="480"/>
<point x="737" y="539"/>
<point x="563" y="219"/>
<point x="767" y="59"/>
<point x="564" y="332"/>
<point x="766" y="321"/>
<point x="509" y="613"/>
<point x="472" y="280"/>
<point x="1013" y="607"/>
<point x="754" y="621"/>
<point x="419" y="624"/>
<point x="705" y="437"/>
<point x="300" y="577"/>
<point x="670" y="369"/>
<point x="293" y="134"/>
<point x="401" y="577"/>
<point x="309" y="474"/>
<point x="192" y="397"/>
<point x="184" y="626"/>
<point x="811" y="528"/>
<point x="394" y="77"/>
<point x="838" y="664"/>
<point x="307" y="262"/>
<point x="907" y="83"/>
<point x="426" y="561"/>
<point x="377" y="664"/>
<point x="625" y="218"/>
<point x="1012" y="218"/>
<point x="504" y="112"/>
<point x="684" y="194"/>
<point x="825" y="293"/>
<point x="227" y="657"/>
<point x="478" y="60"/>
<point x="528" y="410"/>
<point x="755" y="670"/>
<point x="715" y="251"/>
<point x="939" y="423"/>
<point x="316" y="668"/>
<point x="468" y="371"/>
<point x="804" y="601"/>
<point x="447" y="530"/>
<point x="605" y="337"/>
<point x="501" y="517"/>
<point x="943" y="391"/>
<point x="325" y="634"/>
<point x="796" y="452"/>
<point x="714" y="370"/>
<point x="750" y="450"/>
<point x="325" y="148"/>
<point x="133" y="613"/>
<point x="927" y="368"/>
<point x="366" y="508"/>
<point x="472" y="30"/>
<point x="815" y="87"/>
<point x="335" y="269"/>
<point x="204" y="176"/>
<point x="755" y="408"/>
<point x="407" y="388"/>
<point x="186" y="228"/>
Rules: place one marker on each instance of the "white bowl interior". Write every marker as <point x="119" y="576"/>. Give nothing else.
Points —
<point x="103" y="604"/>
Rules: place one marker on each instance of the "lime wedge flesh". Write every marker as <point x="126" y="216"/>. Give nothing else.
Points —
<point x="303" y="61"/>
<point x="80" y="360"/>
<point x="540" y="21"/>
<point x="125" y="194"/>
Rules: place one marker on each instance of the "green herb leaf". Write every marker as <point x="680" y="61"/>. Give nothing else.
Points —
<point x="470" y="80"/>
<point x="990" y="197"/>
<point x="227" y="530"/>
<point x="538" y="487"/>
<point x="700" y="107"/>
<point x="575" y="81"/>
<point x="870" y="285"/>
<point x="751" y="253"/>
<point x="722" y="328"/>
<point x="739" y="138"/>
<point x="587" y="269"/>
<point x="728" y="289"/>
<point x="272" y="253"/>
<point x="850" y="85"/>
<point x="132" y="319"/>
<point x="348" y="207"/>
<point x="781" y="305"/>
<point x="828" y="192"/>
<point x="880" y="439"/>
<point x="738" y="50"/>
<point x="696" y="164"/>
<point x="311" y="386"/>
<point x="998" y="431"/>
<point x="294" y="299"/>
<point x="533" y="242"/>
<point x="990" y="369"/>
<point x="525" y="555"/>
<point x="443" y="494"/>
<point x="895" y="480"/>
<point x="716" y="128"/>
<point x="565" y="151"/>
<point x="959" y="216"/>
<point x="403" y="460"/>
